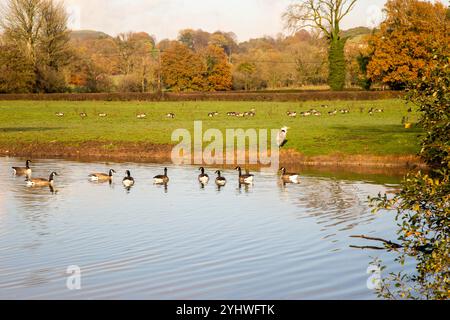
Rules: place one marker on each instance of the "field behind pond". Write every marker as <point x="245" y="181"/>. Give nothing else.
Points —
<point x="33" y="125"/>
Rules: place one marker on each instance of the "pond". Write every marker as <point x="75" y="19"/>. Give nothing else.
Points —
<point x="265" y="241"/>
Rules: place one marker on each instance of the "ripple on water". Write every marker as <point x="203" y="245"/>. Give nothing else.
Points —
<point x="265" y="241"/>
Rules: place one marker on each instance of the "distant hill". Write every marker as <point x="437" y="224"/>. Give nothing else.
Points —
<point x="88" y="34"/>
<point x="92" y="34"/>
<point x="356" y="32"/>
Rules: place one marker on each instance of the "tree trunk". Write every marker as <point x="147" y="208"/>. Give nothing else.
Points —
<point x="336" y="58"/>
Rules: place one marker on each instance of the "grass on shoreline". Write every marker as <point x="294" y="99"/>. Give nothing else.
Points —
<point x="356" y="133"/>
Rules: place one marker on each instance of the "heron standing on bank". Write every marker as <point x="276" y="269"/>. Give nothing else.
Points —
<point x="281" y="138"/>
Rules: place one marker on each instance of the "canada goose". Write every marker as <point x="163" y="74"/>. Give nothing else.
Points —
<point x="220" y="181"/>
<point x="83" y="114"/>
<point x="102" y="115"/>
<point x="171" y="115"/>
<point x="211" y="114"/>
<point x="252" y="114"/>
<point x="281" y="137"/>
<point x="292" y="114"/>
<point x="59" y="114"/>
<point x="344" y="111"/>
<point x="244" y="178"/>
<point x="41" y="182"/>
<point x="317" y="114"/>
<point x="102" y="176"/>
<point x="231" y="114"/>
<point x="203" y="178"/>
<point x="128" y="181"/>
<point x="332" y="113"/>
<point x="141" y="116"/>
<point x="288" y="177"/>
<point x="21" y="171"/>
<point x="162" y="178"/>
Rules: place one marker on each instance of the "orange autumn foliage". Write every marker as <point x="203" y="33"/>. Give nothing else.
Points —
<point x="186" y="70"/>
<point x="403" y="48"/>
<point x="218" y="76"/>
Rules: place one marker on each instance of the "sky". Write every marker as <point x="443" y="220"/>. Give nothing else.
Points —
<point x="165" y="18"/>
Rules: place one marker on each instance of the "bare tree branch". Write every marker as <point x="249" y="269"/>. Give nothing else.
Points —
<point x="387" y="242"/>
<point x="324" y="15"/>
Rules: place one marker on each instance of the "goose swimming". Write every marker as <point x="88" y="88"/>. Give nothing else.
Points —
<point x="245" y="178"/>
<point x="161" y="179"/>
<point x="102" y="176"/>
<point x="22" y="171"/>
<point x="289" y="177"/>
<point x="41" y="182"/>
<point x="128" y="181"/>
<point x="203" y="178"/>
<point x="220" y="181"/>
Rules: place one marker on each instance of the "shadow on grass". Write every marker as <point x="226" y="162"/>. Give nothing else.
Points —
<point x="29" y="129"/>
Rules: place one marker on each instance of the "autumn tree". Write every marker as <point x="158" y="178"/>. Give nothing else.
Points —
<point x="326" y="16"/>
<point x="218" y="73"/>
<point x="225" y="40"/>
<point x="136" y="62"/>
<point x="182" y="69"/>
<point x="243" y="75"/>
<point x="423" y="204"/>
<point x="95" y="62"/>
<point x="194" y="39"/>
<point x="16" y="72"/>
<point x="38" y="28"/>
<point x="407" y="41"/>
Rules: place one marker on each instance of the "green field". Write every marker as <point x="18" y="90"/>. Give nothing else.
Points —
<point x="353" y="133"/>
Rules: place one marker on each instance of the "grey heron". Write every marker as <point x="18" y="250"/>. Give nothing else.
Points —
<point x="281" y="138"/>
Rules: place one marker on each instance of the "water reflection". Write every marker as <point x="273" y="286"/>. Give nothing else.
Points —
<point x="164" y="186"/>
<point x="264" y="241"/>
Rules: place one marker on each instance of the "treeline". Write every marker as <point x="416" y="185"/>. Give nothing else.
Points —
<point x="38" y="54"/>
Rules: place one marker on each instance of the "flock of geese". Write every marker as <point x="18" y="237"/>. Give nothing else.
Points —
<point x="315" y="112"/>
<point x="252" y="113"/>
<point x="128" y="181"/>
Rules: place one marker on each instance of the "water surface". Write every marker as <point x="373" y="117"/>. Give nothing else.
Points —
<point x="184" y="242"/>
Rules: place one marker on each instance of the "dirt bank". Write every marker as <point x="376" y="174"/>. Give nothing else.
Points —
<point x="146" y="152"/>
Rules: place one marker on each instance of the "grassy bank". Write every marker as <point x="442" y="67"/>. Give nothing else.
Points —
<point x="33" y="127"/>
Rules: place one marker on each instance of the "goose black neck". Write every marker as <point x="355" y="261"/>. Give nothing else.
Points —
<point x="165" y="171"/>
